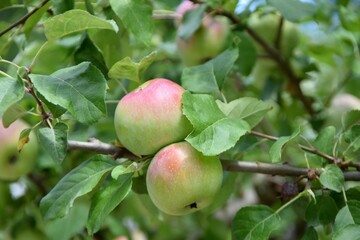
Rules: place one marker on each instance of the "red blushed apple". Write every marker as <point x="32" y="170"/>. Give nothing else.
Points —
<point x="150" y="117"/>
<point x="180" y="180"/>
<point x="14" y="164"/>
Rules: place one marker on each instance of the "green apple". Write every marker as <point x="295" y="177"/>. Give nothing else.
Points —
<point x="180" y="180"/>
<point x="14" y="164"/>
<point x="207" y="42"/>
<point x="150" y="117"/>
<point x="266" y="26"/>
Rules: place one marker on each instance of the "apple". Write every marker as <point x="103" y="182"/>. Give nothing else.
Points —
<point x="180" y="180"/>
<point x="150" y="117"/>
<point x="14" y="164"/>
<point x="207" y="42"/>
<point x="266" y="25"/>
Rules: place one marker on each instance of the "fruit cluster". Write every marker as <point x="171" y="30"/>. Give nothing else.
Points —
<point x="149" y="120"/>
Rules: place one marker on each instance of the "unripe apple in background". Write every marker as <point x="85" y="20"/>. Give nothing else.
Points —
<point x="207" y="42"/>
<point x="266" y="26"/>
<point x="180" y="180"/>
<point x="150" y="117"/>
<point x="14" y="164"/>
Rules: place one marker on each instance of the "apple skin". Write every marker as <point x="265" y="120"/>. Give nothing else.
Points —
<point x="207" y="42"/>
<point x="14" y="164"/>
<point x="180" y="180"/>
<point x="150" y="117"/>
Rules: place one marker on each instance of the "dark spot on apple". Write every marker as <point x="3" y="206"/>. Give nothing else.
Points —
<point x="12" y="159"/>
<point x="193" y="205"/>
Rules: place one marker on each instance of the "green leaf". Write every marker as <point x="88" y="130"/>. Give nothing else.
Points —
<point x="34" y="19"/>
<point x="332" y="178"/>
<point x="191" y="22"/>
<point x="80" y="89"/>
<point x="252" y="110"/>
<point x="324" y="142"/>
<point x="76" y="183"/>
<point x="322" y="211"/>
<point x="349" y="214"/>
<point x="352" y="136"/>
<point x="247" y="53"/>
<point x="75" y="21"/>
<point x="310" y="234"/>
<point x="128" y="69"/>
<point x="14" y="112"/>
<point x="277" y="148"/>
<point x="121" y="170"/>
<point x="105" y="200"/>
<point x="213" y="132"/>
<point x="201" y="110"/>
<point x="12" y="90"/>
<point x="136" y="15"/>
<point x="61" y="6"/>
<point x="209" y="77"/>
<point x="200" y="79"/>
<point x="349" y="232"/>
<point x="219" y="136"/>
<point x="255" y="222"/>
<point x="294" y="10"/>
<point x="350" y="118"/>
<point x="54" y="141"/>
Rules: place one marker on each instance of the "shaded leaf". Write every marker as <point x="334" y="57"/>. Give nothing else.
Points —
<point x="76" y="183"/>
<point x="322" y="211"/>
<point x="332" y="178"/>
<point x="12" y="113"/>
<point x="350" y="118"/>
<point x="80" y="89"/>
<point x="105" y="200"/>
<point x="12" y="90"/>
<point x="54" y="141"/>
<point x="75" y="21"/>
<point x="310" y="234"/>
<point x="255" y="222"/>
<point x="276" y="149"/>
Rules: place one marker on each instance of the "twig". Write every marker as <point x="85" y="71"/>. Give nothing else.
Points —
<point x="234" y="166"/>
<point x="329" y="158"/>
<point x="24" y="18"/>
<point x="100" y="147"/>
<point x="277" y="42"/>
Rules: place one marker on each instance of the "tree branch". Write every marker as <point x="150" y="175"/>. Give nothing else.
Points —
<point x="228" y="165"/>
<point x="22" y="20"/>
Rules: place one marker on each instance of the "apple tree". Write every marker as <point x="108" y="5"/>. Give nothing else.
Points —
<point x="179" y="119"/>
